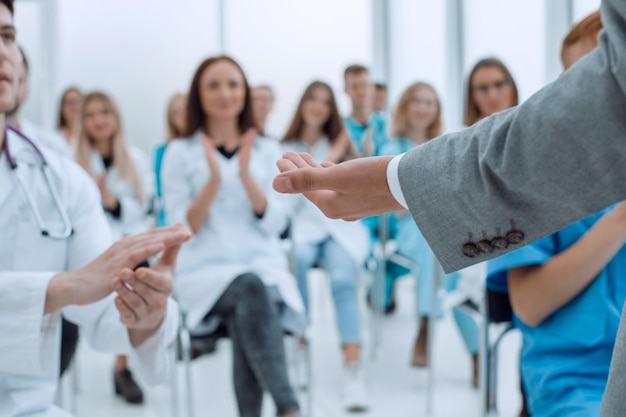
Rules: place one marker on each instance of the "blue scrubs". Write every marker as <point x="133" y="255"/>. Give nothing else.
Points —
<point x="377" y="122"/>
<point x="413" y="245"/>
<point x="566" y="358"/>
<point x="159" y="151"/>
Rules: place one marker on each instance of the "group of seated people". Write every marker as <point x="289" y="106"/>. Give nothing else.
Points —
<point x="214" y="174"/>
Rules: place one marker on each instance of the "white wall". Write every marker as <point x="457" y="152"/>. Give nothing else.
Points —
<point x="142" y="51"/>
<point x="28" y="21"/>
<point x="139" y="51"/>
<point x="418" y="49"/>
<point x="288" y="44"/>
<point x="513" y="31"/>
<point x="584" y="7"/>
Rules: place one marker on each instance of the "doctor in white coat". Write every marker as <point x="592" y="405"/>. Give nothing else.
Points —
<point x="340" y="246"/>
<point x="121" y="171"/>
<point x="219" y="182"/>
<point x="123" y="176"/>
<point x="42" y="274"/>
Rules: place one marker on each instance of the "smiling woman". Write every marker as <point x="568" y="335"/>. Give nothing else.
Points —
<point x="234" y="273"/>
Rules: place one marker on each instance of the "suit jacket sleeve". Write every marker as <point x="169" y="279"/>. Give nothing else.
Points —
<point x="537" y="168"/>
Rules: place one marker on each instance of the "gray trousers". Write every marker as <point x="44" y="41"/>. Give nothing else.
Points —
<point x="259" y="361"/>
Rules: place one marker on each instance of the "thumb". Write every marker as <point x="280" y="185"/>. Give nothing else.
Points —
<point x="168" y="258"/>
<point x="303" y="180"/>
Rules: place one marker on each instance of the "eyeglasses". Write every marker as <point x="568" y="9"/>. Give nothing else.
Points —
<point x="483" y="89"/>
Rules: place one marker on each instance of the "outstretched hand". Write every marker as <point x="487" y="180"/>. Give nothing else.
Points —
<point x="350" y="190"/>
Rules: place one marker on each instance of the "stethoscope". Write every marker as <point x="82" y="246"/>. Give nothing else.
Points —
<point x="67" y="225"/>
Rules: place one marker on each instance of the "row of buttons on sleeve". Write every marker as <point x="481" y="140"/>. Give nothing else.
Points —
<point x="513" y="237"/>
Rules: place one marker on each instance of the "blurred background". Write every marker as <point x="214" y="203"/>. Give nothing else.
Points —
<point x="143" y="51"/>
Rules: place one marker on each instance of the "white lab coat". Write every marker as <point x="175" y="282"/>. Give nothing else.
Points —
<point x="49" y="139"/>
<point x="135" y="216"/>
<point x="232" y="240"/>
<point x="309" y="225"/>
<point x="30" y="342"/>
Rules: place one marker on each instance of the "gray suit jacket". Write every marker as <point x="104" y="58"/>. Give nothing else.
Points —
<point x="530" y="171"/>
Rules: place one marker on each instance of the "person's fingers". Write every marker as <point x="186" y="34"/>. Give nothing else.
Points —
<point x="309" y="160"/>
<point x="250" y="135"/>
<point x="296" y="159"/>
<point x="167" y="260"/>
<point x="327" y="164"/>
<point x="138" y="254"/>
<point x="157" y="280"/>
<point x="303" y="180"/>
<point x="127" y="315"/>
<point x="285" y="165"/>
<point x="131" y="297"/>
<point x="168" y="236"/>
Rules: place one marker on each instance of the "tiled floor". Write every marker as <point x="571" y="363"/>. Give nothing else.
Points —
<point x="395" y="388"/>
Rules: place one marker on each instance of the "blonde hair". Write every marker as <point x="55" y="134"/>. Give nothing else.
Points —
<point x="400" y="120"/>
<point x="122" y="159"/>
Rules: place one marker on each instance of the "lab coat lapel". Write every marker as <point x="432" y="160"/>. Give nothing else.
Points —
<point x="7" y="180"/>
<point x="22" y="154"/>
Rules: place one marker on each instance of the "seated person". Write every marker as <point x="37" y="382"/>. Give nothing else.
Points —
<point x="567" y="291"/>
<point x="234" y="273"/>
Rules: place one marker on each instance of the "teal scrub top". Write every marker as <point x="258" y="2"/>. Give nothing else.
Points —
<point x="378" y="122"/>
<point x="159" y="151"/>
<point x="566" y="358"/>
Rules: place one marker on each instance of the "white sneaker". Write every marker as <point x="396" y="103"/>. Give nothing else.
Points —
<point x="355" y="394"/>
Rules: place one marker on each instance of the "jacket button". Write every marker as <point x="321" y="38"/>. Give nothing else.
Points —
<point x="514" y="237"/>
<point x="484" y="246"/>
<point x="470" y="250"/>
<point x="500" y="243"/>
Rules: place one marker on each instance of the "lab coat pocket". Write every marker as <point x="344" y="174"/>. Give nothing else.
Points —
<point x="51" y="252"/>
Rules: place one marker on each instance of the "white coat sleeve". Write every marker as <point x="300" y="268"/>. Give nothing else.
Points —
<point x="177" y="191"/>
<point x="279" y="206"/>
<point x="134" y="211"/>
<point x="23" y="324"/>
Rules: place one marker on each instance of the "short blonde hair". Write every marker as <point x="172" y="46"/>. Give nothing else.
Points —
<point x="400" y="120"/>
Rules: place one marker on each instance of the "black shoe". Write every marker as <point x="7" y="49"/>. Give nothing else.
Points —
<point x="126" y="386"/>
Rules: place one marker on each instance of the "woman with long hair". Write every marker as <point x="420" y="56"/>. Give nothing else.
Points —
<point x="234" y="273"/>
<point x="69" y="112"/>
<point x="340" y="247"/>
<point x="490" y="89"/>
<point x="123" y="177"/>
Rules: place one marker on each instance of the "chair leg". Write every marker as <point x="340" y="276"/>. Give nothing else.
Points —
<point x="431" y="336"/>
<point x="185" y="346"/>
<point x="484" y="361"/>
<point x="174" y="389"/>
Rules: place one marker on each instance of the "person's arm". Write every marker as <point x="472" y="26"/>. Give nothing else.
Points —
<point x="533" y="169"/>
<point x="255" y="193"/>
<point x="537" y="291"/>
<point x="339" y="148"/>
<point x="198" y="211"/>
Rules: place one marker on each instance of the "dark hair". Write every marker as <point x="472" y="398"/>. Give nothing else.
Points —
<point x="61" y="122"/>
<point x="195" y="117"/>
<point x="355" y="69"/>
<point x="8" y="4"/>
<point x="332" y="127"/>
<point x="472" y="113"/>
<point x="380" y="86"/>
<point x="24" y="59"/>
